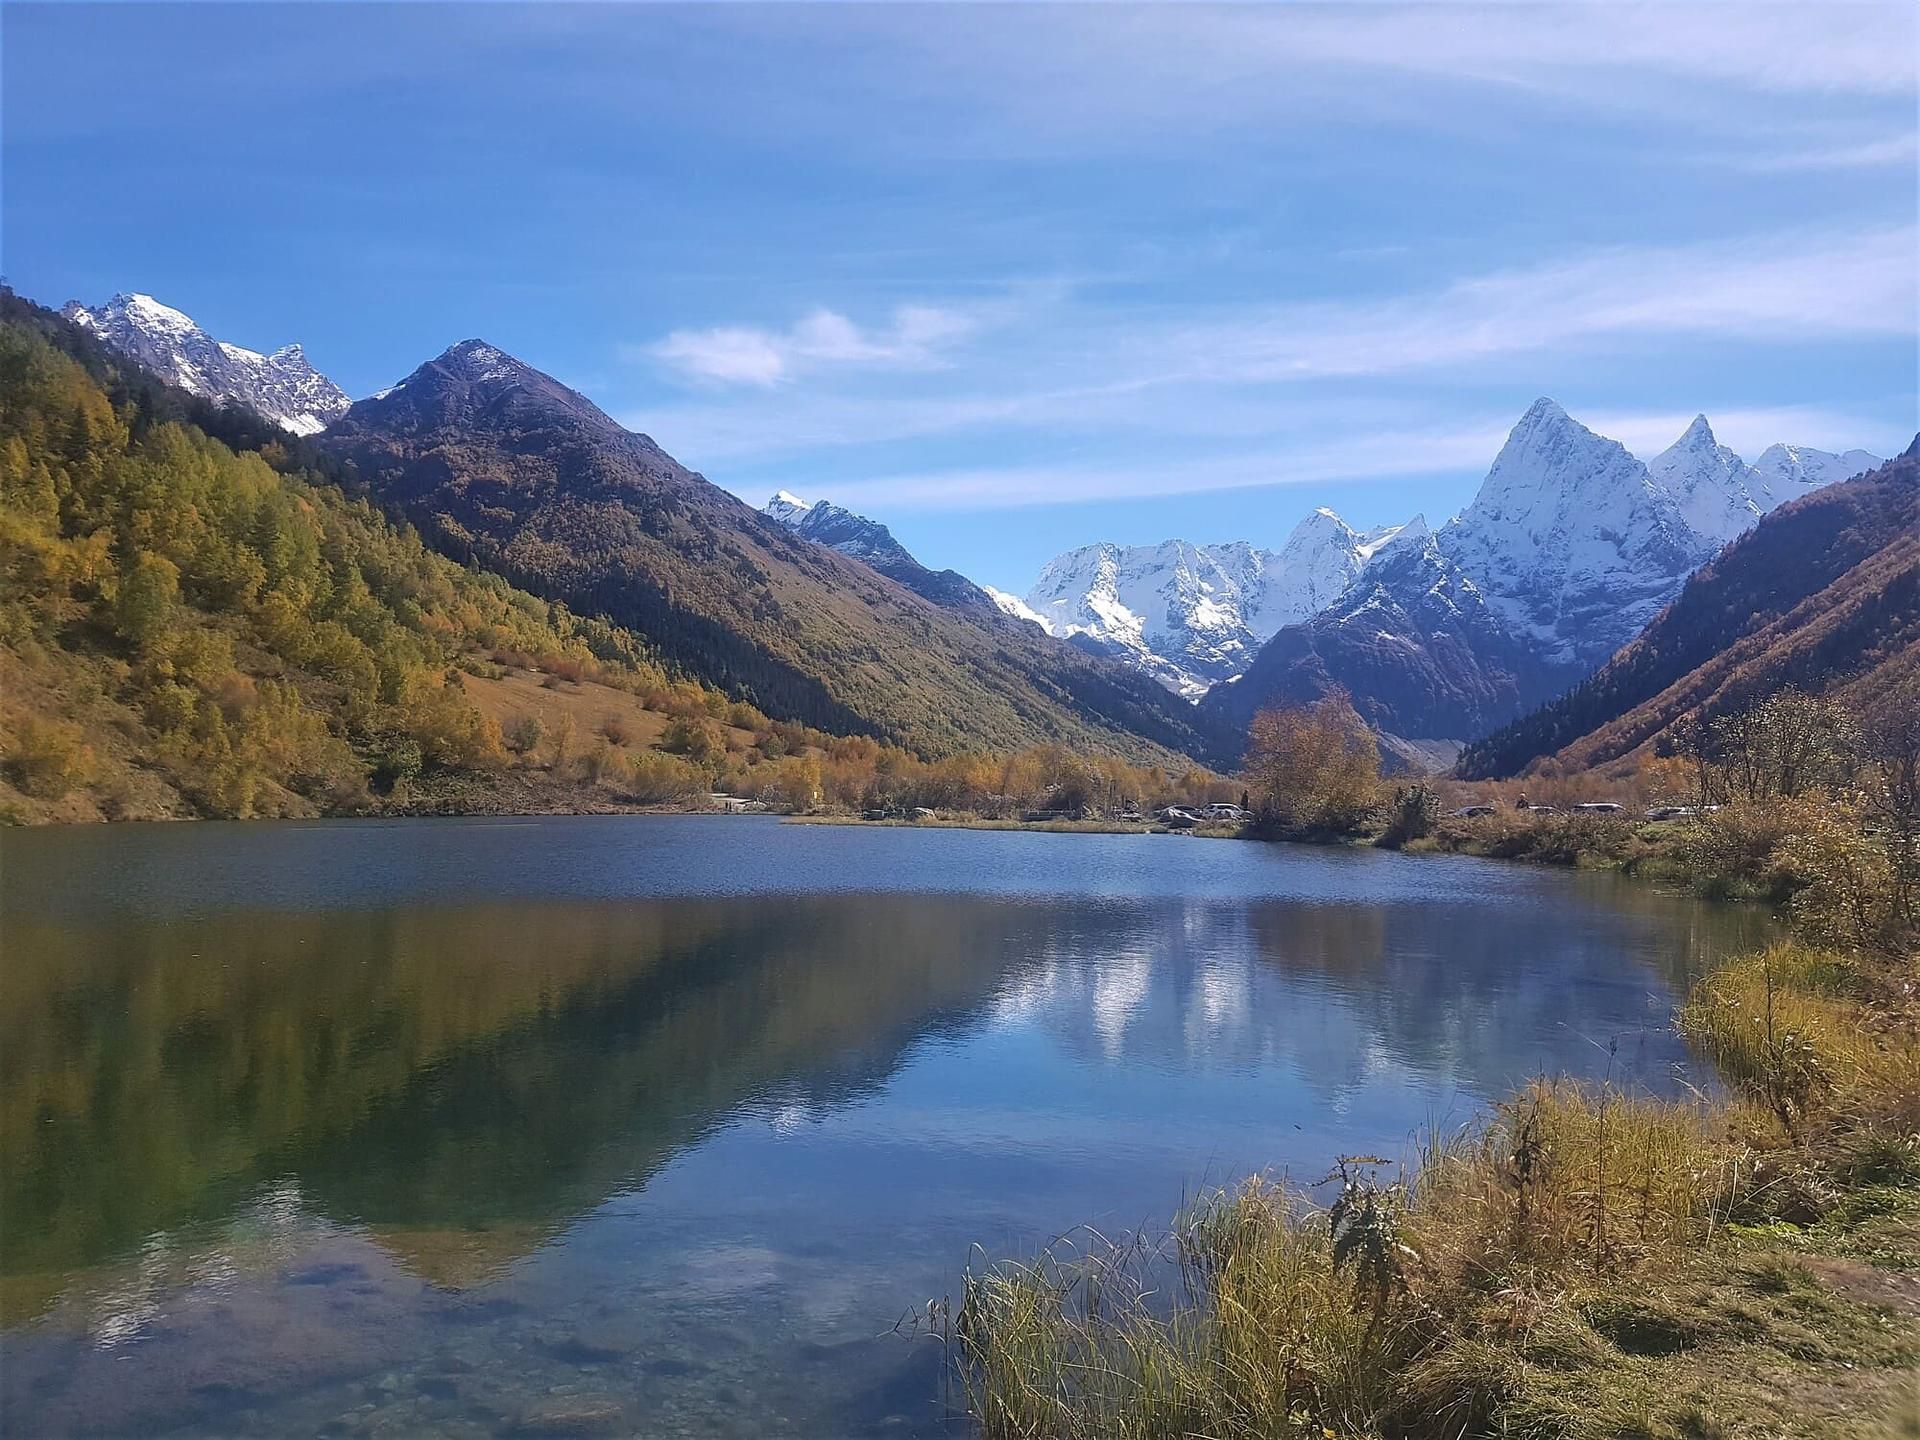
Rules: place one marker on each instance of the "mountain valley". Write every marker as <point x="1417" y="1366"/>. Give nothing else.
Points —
<point x="1570" y="547"/>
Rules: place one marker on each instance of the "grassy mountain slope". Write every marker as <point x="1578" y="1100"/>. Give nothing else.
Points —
<point x="1824" y="594"/>
<point x="498" y="463"/>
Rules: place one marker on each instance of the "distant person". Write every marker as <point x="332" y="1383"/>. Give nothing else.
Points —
<point x="1521" y="803"/>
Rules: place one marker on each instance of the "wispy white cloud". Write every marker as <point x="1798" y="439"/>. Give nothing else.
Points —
<point x="913" y="339"/>
<point x="1077" y="367"/>
<point x="1853" y="46"/>
<point x="1101" y="77"/>
<point x="1797" y="286"/>
<point x="1900" y="151"/>
<point x="1375" y="454"/>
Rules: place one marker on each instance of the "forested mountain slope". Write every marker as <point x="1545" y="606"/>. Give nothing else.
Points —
<point x="502" y="465"/>
<point x="1823" y="594"/>
<point x="190" y="629"/>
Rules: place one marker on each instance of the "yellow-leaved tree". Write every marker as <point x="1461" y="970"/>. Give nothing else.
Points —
<point x="1313" y="768"/>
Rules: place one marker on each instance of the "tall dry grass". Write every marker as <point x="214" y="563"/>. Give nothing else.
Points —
<point x="1433" y="1306"/>
<point x="1263" y="1313"/>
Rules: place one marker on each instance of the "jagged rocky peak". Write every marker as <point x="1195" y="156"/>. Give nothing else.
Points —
<point x="282" y="387"/>
<point x="477" y="361"/>
<point x="1192" y="615"/>
<point x="1553" y="469"/>
<point x="786" y="507"/>
<point x="872" y="543"/>
<point x="1712" y="487"/>
<point x="477" y="384"/>
<point x="840" y="528"/>
<point x="1570" y="538"/>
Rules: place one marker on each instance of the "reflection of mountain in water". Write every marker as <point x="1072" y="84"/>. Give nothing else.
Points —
<point x="478" y="1070"/>
<point x="461" y="1081"/>
<point x="1476" y="995"/>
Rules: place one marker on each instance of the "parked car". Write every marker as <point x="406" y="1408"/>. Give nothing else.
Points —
<point x="1468" y="812"/>
<point x="1672" y="812"/>
<point x="1177" y="819"/>
<point x="1598" y="807"/>
<point x="1225" y="812"/>
<point x="1542" y="810"/>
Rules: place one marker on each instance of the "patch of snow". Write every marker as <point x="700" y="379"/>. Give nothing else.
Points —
<point x="1016" y="607"/>
<point x="786" y="507"/>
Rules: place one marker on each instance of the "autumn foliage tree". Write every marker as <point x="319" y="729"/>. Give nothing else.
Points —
<point x="1313" y="768"/>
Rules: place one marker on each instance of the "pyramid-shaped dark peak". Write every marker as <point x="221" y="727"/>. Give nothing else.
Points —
<point x="1912" y="452"/>
<point x="480" y="360"/>
<point x="477" y="385"/>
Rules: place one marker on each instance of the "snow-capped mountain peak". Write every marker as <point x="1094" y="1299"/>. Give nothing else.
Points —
<point x="1710" y="484"/>
<point x="840" y="528"/>
<point x="282" y="387"/>
<point x="1786" y="472"/>
<point x="1549" y="470"/>
<point x="786" y="507"/>
<point x="1191" y="615"/>
<point x="1570" y="538"/>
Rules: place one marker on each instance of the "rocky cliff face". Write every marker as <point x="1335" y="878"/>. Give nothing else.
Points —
<point x="283" y="386"/>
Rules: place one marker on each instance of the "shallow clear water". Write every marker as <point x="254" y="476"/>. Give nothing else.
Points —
<point x="659" y="1125"/>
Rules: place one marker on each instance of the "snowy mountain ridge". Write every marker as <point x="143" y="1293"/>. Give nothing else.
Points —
<point x="872" y="543"/>
<point x="282" y="387"/>
<point x="1568" y="550"/>
<point x="1571" y="539"/>
<point x="1570" y="546"/>
<point x="1191" y="615"/>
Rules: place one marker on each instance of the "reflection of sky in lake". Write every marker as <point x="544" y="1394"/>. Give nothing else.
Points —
<point x="584" y="1135"/>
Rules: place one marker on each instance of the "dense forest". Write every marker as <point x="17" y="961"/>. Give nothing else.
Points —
<point x="192" y="629"/>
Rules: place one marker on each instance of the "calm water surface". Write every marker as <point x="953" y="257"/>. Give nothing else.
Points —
<point x="658" y="1126"/>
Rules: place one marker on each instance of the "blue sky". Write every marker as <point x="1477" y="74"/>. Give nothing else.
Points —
<point x="1017" y="278"/>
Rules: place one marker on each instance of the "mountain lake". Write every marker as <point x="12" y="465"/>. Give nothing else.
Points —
<point x="663" y="1125"/>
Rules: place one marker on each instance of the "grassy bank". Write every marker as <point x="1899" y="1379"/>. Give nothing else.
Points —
<point x="1653" y="849"/>
<point x="1583" y="1263"/>
<point x="1055" y="827"/>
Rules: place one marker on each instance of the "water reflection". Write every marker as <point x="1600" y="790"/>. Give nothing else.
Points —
<point x="685" y="1155"/>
